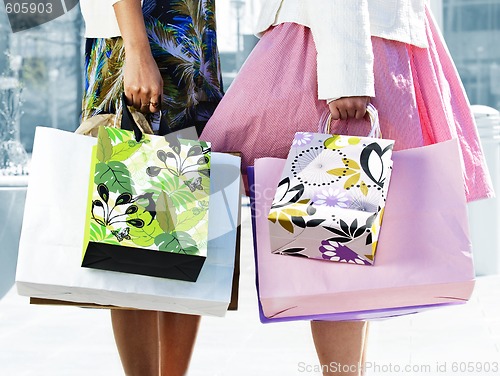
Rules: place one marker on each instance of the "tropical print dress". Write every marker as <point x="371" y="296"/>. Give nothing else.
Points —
<point x="182" y="36"/>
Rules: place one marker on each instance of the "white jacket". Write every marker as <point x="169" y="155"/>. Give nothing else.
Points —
<point x="342" y="30"/>
<point x="100" y="19"/>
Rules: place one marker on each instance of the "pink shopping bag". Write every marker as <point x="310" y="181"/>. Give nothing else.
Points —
<point x="424" y="256"/>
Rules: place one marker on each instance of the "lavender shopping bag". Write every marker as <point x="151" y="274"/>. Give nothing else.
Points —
<point x="424" y="257"/>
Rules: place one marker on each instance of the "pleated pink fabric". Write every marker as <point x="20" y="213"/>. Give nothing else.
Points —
<point x="419" y="97"/>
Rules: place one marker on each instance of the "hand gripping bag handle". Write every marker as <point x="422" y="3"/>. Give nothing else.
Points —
<point x="372" y="112"/>
<point x="128" y="122"/>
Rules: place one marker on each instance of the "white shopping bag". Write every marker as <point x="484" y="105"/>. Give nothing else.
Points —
<point x="52" y="236"/>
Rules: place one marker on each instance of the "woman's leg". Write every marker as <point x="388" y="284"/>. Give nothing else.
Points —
<point x="365" y="346"/>
<point x="177" y="335"/>
<point x="339" y="344"/>
<point x="136" y="336"/>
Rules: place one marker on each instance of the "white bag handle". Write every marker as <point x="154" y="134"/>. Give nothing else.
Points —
<point x="372" y="112"/>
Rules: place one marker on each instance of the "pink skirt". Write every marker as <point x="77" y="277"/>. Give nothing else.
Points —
<point x="419" y="97"/>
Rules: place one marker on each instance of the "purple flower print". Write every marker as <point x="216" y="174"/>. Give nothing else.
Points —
<point x="332" y="197"/>
<point x="302" y="139"/>
<point x="334" y="251"/>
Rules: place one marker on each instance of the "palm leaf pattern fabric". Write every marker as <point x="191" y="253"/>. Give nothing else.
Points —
<point x="182" y="36"/>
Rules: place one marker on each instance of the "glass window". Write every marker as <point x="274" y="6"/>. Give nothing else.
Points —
<point x="46" y="63"/>
<point x="474" y="17"/>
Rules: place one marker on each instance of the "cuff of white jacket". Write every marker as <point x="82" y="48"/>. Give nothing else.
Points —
<point x="337" y="79"/>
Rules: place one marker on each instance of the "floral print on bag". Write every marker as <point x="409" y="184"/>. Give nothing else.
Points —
<point x="329" y="202"/>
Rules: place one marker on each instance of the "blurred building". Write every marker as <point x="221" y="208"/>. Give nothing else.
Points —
<point x="472" y="31"/>
<point x="49" y="68"/>
<point x="4" y="39"/>
<point x="235" y="28"/>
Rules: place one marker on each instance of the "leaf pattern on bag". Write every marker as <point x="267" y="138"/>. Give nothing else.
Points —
<point x="180" y="194"/>
<point x="177" y="242"/>
<point x="341" y="172"/>
<point x="173" y="204"/>
<point x="285" y="194"/>
<point x="372" y="162"/>
<point x="352" y="181"/>
<point x="109" y="218"/>
<point x="165" y="212"/>
<point x="177" y="164"/>
<point x="102" y="211"/>
<point x="289" y="210"/>
<point x="116" y="135"/>
<point x="315" y="222"/>
<point x="115" y="175"/>
<point x="298" y="221"/>
<point x="376" y="223"/>
<point x="124" y="150"/>
<point x="364" y="188"/>
<point x="144" y="236"/>
<point x="98" y="233"/>
<point x="284" y="220"/>
<point x="351" y="169"/>
<point x="347" y="232"/>
<point x="104" y="146"/>
<point x="339" y="141"/>
<point x="189" y="218"/>
<point x="293" y="215"/>
<point x="296" y="252"/>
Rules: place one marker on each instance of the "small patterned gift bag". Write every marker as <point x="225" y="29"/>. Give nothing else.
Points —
<point x="330" y="200"/>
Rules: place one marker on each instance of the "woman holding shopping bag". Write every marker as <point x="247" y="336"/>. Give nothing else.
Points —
<point x="163" y="55"/>
<point x="316" y="56"/>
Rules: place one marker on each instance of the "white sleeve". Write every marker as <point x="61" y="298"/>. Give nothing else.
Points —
<point x="100" y="19"/>
<point x="341" y="32"/>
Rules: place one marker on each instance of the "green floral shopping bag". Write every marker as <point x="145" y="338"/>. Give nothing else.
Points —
<point x="148" y="204"/>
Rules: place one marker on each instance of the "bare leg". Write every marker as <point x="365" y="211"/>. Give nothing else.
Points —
<point x="339" y="343"/>
<point x="365" y="346"/>
<point x="136" y="336"/>
<point x="177" y="338"/>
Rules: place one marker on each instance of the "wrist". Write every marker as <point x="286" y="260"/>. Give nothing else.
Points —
<point x="137" y="45"/>
<point x="330" y="100"/>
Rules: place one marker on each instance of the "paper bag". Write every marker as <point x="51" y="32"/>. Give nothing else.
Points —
<point x="52" y="237"/>
<point x="424" y="257"/>
<point x="330" y="200"/>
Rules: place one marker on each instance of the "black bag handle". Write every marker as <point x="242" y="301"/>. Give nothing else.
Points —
<point x="128" y="122"/>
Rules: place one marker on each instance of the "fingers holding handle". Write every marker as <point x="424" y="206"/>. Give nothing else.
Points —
<point x="143" y="84"/>
<point x="142" y="99"/>
<point x="349" y="108"/>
